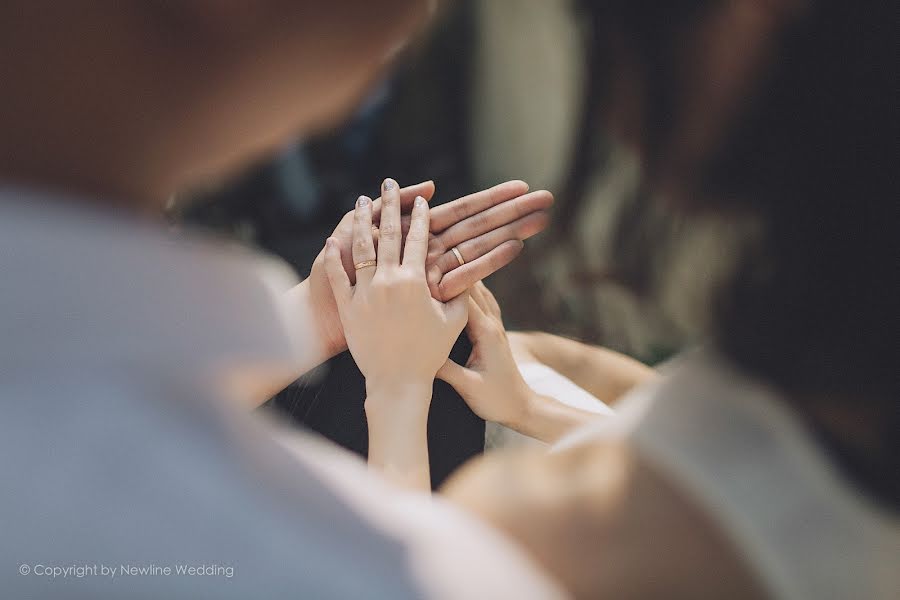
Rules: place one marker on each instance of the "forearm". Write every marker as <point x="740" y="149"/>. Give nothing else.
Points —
<point x="309" y="331"/>
<point x="319" y="336"/>
<point x="547" y="419"/>
<point x="604" y="373"/>
<point x="398" y="434"/>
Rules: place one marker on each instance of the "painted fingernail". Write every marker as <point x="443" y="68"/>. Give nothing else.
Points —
<point x="389" y="184"/>
<point x="420" y="201"/>
<point x="362" y="201"/>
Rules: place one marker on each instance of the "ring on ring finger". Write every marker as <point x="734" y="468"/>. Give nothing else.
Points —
<point x="458" y="255"/>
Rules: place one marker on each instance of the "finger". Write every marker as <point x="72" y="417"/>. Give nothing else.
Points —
<point x="459" y="280"/>
<point x="417" y="239"/>
<point x="493" y="305"/>
<point x="344" y="229"/>
<point x="462" y="379"/>
<point x="477" y="316"/>
<point x="485" y="300"/>
<point x="483" y="327"/>
<point x="457" y="309"/>
<point x="363" y="244"/>
<point x="477" y="293"/>
<point x="448" y="214"/>
<point x="520" y="229"/>
<point x="490" y="219"/>
<point x="405" y="221"/>
<point x="337" y="276"/>
<point x="389" y="228"/>
<point x="408" y="196"/>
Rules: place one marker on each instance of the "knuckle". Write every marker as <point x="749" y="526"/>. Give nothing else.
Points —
<point x="407" y="278"/>
<point x="379" y="284"/>
<point x="434" y="290"/>
<point x="436" y="248"/>
<point x="443" y="290"/>
<point x="460" y="210"/>
<point x="388" y="231"/>
<point x="433" y="275"/>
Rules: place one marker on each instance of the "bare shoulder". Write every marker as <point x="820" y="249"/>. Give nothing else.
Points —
<point x="605" y="522"/>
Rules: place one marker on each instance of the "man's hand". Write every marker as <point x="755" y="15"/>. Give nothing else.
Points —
<point x="487" y="228"/>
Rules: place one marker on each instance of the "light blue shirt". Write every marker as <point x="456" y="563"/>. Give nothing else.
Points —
<point x="125" y="475"/>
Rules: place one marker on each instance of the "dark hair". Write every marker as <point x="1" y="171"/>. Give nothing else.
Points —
<point x="813" y="308"/>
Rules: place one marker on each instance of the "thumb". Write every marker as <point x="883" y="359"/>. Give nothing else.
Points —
<point x="334" y="270"/>
<point x="457" y="310"/>
<point x="462" y="379"/>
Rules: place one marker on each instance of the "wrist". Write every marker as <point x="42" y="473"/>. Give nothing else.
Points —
<point x="527" y="408"/>
<point x="397" y="395"/>
<point x="547" y="419"/>
<point x="329" y="336"/>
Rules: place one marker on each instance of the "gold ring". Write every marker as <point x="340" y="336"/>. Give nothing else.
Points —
<point x="365" y="264"/>
<point x="458" y="256"/>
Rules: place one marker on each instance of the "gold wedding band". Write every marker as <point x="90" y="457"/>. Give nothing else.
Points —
<point x="365" y="264"/>
<point x="458" y="256"/>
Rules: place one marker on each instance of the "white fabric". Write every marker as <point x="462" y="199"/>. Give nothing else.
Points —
<point x="733" y="446"/>
<point x="120" y="446"/>
<point x="547" y="382"/>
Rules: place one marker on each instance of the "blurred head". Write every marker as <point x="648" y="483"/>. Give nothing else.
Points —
<point x="136" y="98"/>
<point x="784" y="109"/>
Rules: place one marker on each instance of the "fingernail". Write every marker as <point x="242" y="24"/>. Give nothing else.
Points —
<point x="389" y="184"/>
<point x="420" y="201"/>
<point x="362" y="201"/>
<point x="329" y="242"/>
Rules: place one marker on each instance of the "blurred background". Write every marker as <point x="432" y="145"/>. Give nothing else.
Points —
<point x="495" y="91"/>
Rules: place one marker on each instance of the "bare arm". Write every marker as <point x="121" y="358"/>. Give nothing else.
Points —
<point x="606" y="374"/>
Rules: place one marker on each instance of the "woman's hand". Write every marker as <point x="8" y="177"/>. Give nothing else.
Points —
<point x="492" y="385"/>
<point x="398" y="334"/>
